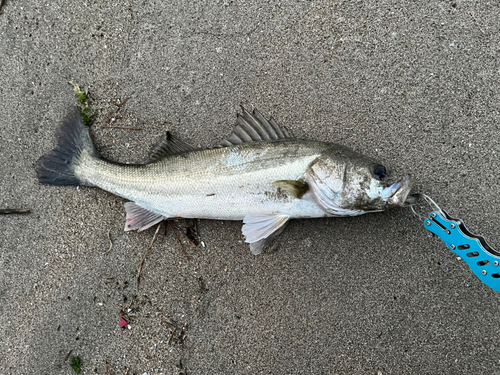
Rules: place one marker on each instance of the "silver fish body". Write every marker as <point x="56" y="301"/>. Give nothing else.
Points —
<point x="221" y="183"/>
<point x="262" y="176"/>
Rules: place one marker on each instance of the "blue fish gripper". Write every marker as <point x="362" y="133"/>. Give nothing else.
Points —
<point x="482" y="259"/>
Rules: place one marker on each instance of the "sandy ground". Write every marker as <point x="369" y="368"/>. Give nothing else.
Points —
<point x="415" y="85"/>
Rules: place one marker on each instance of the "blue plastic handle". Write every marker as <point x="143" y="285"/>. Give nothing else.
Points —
<point x="482" y="259"/>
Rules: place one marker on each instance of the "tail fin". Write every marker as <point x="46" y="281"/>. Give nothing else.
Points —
<point x="58" y="166"/>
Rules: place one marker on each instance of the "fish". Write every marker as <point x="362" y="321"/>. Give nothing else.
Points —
<point x="261" y="175"/>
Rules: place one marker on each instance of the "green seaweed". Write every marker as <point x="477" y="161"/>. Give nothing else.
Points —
<point x="76" y="364"/>
<point x="87" y="116"/>
<point x="82" y="97"/>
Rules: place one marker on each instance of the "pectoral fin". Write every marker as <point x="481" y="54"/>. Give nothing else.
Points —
<point x="259" y="230"/>
<point x="139" y="218"/>
<point x="295" y="187"/>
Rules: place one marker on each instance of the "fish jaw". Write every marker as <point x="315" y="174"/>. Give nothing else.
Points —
<point x="397" y="193"/>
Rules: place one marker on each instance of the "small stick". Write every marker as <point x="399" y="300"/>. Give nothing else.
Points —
<point x="196" y="228"/>
<point x="14" y="211"/>
<point x="168" y="321"/>
<point x="167" y="225"/>
<point x="117" y="109"/>
<point x="67" y="355"/>
<point x="171" y="335"/>
<point x="110" y="243"/>
<point x="120" y="127"/>
<point x="180" y="243"/>
<point x="189" y="239"/>
<point x="180" y="230"/>
<point x="146" y="254"/>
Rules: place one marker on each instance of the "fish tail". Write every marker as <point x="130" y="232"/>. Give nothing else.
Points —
<point x="58" y="167"/>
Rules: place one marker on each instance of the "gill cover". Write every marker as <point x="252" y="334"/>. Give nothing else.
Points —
<point x="327" y="178"/>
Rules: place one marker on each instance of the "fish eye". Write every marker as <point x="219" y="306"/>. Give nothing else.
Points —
<point x="379" y="171"/>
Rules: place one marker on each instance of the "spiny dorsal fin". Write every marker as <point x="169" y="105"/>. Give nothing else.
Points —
<point x="166" y="146"/>
<point x="295" y="187"/>
<point x="253" y="127"/>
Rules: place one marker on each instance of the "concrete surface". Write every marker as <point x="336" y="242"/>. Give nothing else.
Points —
<point x="415" y="84"/>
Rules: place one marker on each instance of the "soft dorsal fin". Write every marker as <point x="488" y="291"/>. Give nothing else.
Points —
<point x="167" y="145"/>
<point x="253" y="127"/>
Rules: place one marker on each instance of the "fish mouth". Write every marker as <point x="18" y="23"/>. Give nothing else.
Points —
<point x="397" y="193"/>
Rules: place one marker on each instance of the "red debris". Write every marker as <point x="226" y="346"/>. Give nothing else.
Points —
<point x="123" y="322"/>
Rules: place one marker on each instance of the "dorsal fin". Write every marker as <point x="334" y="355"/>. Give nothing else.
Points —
<point x="253" y="127"/>
<point x="167" y="145"/>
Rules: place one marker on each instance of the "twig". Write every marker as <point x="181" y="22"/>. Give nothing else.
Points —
<point x="171" y="224"/>
<point x="196" y="228"/>
<point x="189" y="239"/>
<point x="169" y="321"/>
<point x="110" y="243"/>
<point x="14" y="211"/>
<point x="146" y="254"/>
<point x="165" y="231"/>
<point x="180" y="243"/>
<point x="171" y="335"/>
<point x="120" y="127"/>
<point x="117" y="109"/>
<point x="67" y="355"/>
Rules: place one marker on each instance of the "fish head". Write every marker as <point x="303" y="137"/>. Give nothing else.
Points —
<point x="345" y="183"/>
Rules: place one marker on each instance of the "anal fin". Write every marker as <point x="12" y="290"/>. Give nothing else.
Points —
<point x="139" y="218"/>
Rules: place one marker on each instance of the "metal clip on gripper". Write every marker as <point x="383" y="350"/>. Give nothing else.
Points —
<point x="482" y="259"/>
